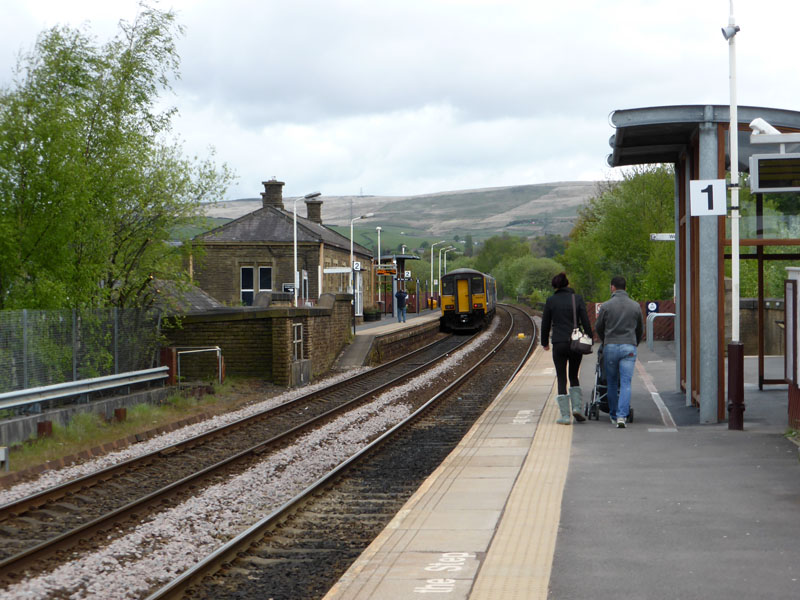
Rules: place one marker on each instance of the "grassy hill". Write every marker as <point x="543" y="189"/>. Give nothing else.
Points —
<point x="523" y="210"/>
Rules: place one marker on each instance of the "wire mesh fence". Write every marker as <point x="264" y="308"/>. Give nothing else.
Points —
<point x="45" y="347"/>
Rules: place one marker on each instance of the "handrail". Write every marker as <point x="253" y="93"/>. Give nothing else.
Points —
<point x="82" y="386"/>
<point x="650" y="318"/>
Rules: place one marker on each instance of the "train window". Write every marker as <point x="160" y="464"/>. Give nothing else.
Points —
<point x="477" y="285"/>
<point x="447" y="286"/>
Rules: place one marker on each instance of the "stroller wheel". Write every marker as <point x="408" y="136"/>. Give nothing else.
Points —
<point x="587" y="410"/>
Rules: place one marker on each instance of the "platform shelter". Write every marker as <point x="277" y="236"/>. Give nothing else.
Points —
<point x="694" y="138"/>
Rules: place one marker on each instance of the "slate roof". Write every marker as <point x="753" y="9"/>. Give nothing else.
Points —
<point x="271" y="224"/>
<point x="188" y="300"/>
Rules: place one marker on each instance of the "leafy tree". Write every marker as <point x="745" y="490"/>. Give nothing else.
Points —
<point x="499" y="248"/>
<point x="612" y="236"/>
<point x="468" y="245"/>
<point x="91" y="187"/>
<point x="548" y="245"/>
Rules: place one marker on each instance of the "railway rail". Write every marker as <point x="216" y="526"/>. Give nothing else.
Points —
<point x="54" y="508"/>
<point x="55" y="519"/>
<point x="304" y="546"/>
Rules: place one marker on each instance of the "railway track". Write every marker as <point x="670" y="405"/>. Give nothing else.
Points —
<point x="53" y="513"/>
<point x="301" y="549"/>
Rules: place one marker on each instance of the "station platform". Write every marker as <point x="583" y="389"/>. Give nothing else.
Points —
<point x="357" y="352"/>
<point x="666" y="508"/>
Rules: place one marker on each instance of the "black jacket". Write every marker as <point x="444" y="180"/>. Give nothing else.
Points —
<point x="558" y="316"/>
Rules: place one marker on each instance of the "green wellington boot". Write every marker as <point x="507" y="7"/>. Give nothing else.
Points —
<point x="563" y="407"/>
<point x="577" y="403"/>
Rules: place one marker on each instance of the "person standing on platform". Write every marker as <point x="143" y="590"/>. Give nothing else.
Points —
<point x="620" y="327"/>
<point x="402" y="297"/>
<point x="561" y="311"/>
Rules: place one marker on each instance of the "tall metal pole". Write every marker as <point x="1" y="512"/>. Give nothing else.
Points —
<point x="733" y="134"/>
<point x="432" y="245"/>
<point x="440" y="271"/>
<point x="735" y="347"/>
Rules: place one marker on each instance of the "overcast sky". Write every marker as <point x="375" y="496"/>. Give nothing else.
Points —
<point x="391" y="97"/>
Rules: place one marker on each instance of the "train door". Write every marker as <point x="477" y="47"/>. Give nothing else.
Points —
<point x="462" y="296"/>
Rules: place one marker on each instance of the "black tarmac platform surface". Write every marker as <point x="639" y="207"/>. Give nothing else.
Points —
<point x="686" y="512"/>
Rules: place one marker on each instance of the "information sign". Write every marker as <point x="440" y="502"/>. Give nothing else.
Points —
<point x="707" y="197"/>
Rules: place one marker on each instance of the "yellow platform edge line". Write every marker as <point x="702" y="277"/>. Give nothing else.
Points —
<point x="519" y="566"/>
<point x="384" y="543"/>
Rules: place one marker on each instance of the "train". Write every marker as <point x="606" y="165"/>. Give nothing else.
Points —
<point x="468" y="300"/>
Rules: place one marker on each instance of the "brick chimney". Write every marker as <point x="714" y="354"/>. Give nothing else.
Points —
<point x="272" y="194"/>
<point x="314" y="210"/>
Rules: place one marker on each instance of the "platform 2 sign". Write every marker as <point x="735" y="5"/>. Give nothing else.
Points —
<point x="707" y="197"/>
<point x="386" y="269"/>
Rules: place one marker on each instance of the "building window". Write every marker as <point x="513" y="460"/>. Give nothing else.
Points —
<point x="246" y="286"/>
<point x="264" y="279"/>
<point x="297" y="341"/>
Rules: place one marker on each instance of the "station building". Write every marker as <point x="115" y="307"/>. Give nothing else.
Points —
<point x="255" y="254"/>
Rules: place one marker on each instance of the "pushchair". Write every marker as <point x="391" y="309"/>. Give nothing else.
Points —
<point x="599" y="400"/>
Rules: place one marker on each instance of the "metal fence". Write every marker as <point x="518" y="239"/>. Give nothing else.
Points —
<point x="45" y="347"/>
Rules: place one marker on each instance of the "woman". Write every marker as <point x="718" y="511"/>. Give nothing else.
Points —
<point x="558" y="316"/>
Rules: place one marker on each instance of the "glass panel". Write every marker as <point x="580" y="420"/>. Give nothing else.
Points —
<point x="247" y="278"/>
<point x="447" y="286"/>
<point x="477" y="285"/>
<point x="264" y="279"/>
<point x="247" y="298"/>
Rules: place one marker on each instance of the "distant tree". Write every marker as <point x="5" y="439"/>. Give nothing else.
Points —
<point x="468" y="245"/>
<point x="499" y="248"/>
<point x="548" y="245"/>
<point x="91" y="186"/>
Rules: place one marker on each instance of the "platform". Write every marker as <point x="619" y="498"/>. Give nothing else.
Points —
<point x="527" y="509"/>
<point x="357" y="352"/>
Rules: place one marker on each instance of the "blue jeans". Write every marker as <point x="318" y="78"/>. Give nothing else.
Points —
<point x="619" y="361"/>
<point x="401" y="314"/>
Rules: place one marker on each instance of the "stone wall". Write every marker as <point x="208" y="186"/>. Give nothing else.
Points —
<point x="257" y="342"/>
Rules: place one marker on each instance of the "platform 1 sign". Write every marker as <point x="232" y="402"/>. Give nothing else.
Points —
<point x="707" y="197"/>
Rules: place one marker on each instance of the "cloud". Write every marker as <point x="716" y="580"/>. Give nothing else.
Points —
<point x="417" y="96"/>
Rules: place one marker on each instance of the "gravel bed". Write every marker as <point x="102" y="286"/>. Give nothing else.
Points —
<point x="171" y="541"/>
<point x="54" y="477"/>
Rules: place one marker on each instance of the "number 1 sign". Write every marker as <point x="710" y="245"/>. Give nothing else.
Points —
<point x="708" y="197"/>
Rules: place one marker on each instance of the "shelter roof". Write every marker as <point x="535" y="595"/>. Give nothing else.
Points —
<point x="659" y="134"/>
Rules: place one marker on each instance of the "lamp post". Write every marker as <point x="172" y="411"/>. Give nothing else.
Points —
<point x="735" y="347"/>
<point x="353" y="220"/>
<point x="432" y="245"/>
<point x="378" y="229"/>
<point x="440" y="269"/>
<point x="295" y="278"/>
<point x="450" y="249"/>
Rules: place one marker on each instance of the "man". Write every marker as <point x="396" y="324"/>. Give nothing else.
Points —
<point x="401" y="296"/>
<point x="620" y="327"/>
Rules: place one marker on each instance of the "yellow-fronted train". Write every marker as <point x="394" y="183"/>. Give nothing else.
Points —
<point x="469" y="300"/>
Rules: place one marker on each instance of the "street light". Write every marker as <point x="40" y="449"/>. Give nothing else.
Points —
<point x="378" y="229"/>
<point x="353" y="220"/>
<point x="735" y="348"/>
<point x="432" y="245"/>
<point x="450" y="249"/>
<point x="306" y="197"/>
<point x="440" y="269"/>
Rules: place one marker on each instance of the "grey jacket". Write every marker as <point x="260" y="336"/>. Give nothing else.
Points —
<point x="620" y="320"/>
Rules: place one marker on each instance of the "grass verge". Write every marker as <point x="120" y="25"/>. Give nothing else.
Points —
<point x="89" y="430"/>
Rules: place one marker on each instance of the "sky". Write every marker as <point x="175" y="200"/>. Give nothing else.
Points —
<point x="391" y="97"/>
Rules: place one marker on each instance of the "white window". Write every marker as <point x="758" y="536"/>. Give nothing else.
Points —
<point x="246" y="286"/>
<point x="297" y="341"/>
<point x="264" y="279"/>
